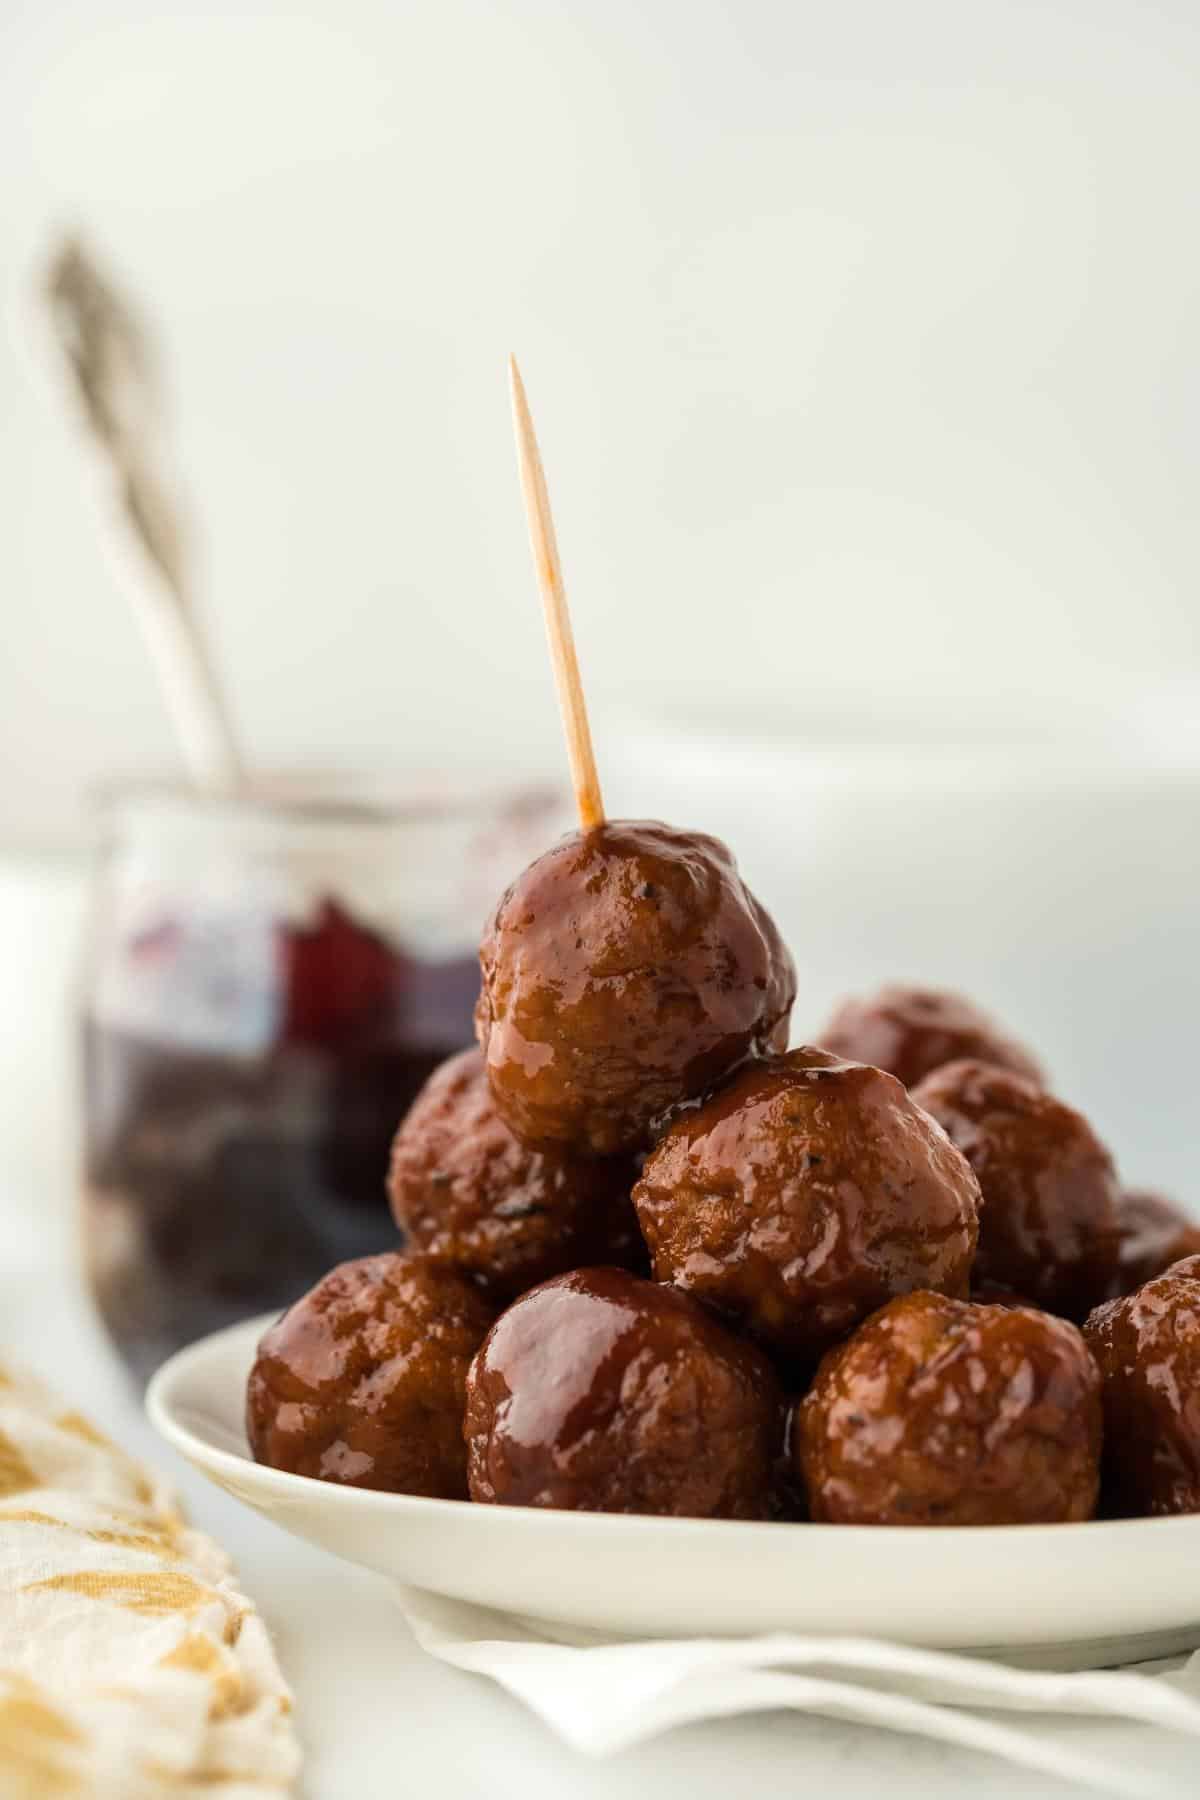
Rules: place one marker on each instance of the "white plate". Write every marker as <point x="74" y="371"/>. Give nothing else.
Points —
<point x="1068" y="1593"/>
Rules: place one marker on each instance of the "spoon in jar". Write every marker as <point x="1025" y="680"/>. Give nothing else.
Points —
<point x="114" y="372"/>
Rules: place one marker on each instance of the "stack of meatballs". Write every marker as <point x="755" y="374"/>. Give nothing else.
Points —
<point x="655" y="1262"/>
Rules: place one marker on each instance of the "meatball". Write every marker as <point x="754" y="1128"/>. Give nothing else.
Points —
<point x="362" y="1381"/>
<point x="1147" y="1346"/>
<point x="996" y="1293"/>
<point x="1048" y="1228"/>
<point x="466" y="1190"/>
<point x="940" y="1412"/>
<point x="804" y="1194"/>
<point x="1152" y="1233"/>
<point x="623" y="972"/>
<point x="599" y="1392"/>
<point x="910" y="1031"/>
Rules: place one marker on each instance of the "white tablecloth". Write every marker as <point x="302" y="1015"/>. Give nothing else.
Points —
<point x="378" y="1717"/>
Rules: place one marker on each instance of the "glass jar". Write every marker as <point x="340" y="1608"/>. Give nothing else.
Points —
<point x="268" y="983"/>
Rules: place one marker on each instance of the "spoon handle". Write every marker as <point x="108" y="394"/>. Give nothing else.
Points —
<point x="114" y="371"/>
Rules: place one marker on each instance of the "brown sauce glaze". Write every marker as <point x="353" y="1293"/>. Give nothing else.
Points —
<point x="1153" y="1233"/>
<point x="362" y="1381"/>
<point x="1147" y="1346"/>
<point x="466" y="1190"/>
<point x="804" y="1194"/>
<point x="939" y="1412"/>
<point x="625" y="970"/>
<point x="910" y="1031"/>
<point x="601" y="1392"/>
<point x="1048" y="1228"/>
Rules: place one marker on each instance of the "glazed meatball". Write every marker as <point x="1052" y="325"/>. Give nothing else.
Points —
<point x="1153" y="1233"/>
<point x="1148" y="1348"/>
<point x="362" y="1381"/>
<point x="996" y="1293"/>
<point x="910" y="1031"/>
<point x="624" y="971"/>
<point x="1048" y="1228"/>
<point x="804" y="1194"/>
<point x="466" y="1190"/>
<point x="939" y="1412"/>
<point x="599" y="1392"/>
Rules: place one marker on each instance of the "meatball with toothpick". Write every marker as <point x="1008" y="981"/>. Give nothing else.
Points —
<point x="625" y="971"/>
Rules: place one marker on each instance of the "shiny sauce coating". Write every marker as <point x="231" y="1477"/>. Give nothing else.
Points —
<point x="910" y="1031"/>
<point x="1153" y="1232"/>
<point x="940" y="1412"/>
<point x="624" y="971"/>
<point x="802" y="1195"/>
<point x="1048" y="1228"/>
<point x="362" y="1381"/>
<point x="465" y="1189"/>
<point x="1147" y="1346"/>
<point x="602" y="1392"/>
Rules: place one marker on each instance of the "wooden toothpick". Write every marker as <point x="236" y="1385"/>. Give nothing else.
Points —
<point x="571" y="703"/>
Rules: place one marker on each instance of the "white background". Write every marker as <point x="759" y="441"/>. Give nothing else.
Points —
<point x="861" y="339"/>
<point x="862" y="342"/>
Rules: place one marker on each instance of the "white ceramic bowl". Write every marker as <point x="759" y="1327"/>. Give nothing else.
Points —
<point x="1039" y="854"/>
<point x="1083" y="1594"/>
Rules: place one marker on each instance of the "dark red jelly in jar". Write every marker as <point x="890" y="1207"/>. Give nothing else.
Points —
<point x="268" y="987"/>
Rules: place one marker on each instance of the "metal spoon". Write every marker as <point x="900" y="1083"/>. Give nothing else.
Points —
<point x="111" y="359"/>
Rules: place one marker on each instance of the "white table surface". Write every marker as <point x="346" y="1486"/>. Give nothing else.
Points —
<point x="376" y="1715"/>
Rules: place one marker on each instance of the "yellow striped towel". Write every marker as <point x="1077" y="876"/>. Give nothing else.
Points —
<point x="131" y="1665"/>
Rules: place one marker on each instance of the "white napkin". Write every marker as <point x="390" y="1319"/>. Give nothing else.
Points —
<point x="601" y="1695"/>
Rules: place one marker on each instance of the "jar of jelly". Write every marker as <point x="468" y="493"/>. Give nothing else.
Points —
<point x="269" y="981"/>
